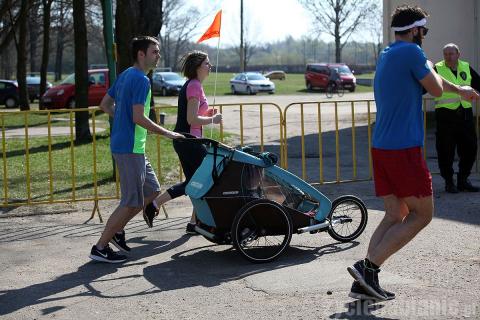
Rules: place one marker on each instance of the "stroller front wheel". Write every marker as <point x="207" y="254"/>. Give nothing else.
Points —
<point x="348" y="218"/>
<point x="261" y="230"/>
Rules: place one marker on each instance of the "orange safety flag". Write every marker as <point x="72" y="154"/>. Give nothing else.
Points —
<point x="214" y="29"/>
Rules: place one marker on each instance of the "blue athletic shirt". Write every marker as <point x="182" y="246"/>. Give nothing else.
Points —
<point x="131" y="87"/>
<point x="398" y="96"/>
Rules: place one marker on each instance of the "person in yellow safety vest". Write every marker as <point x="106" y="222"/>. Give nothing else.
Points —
<point x="454" y="120"/>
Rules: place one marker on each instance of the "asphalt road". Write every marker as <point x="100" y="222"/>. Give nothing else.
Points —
<point x="46" y="272"/>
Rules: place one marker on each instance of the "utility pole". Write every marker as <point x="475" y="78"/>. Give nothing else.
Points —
<point x="242" y="49"/>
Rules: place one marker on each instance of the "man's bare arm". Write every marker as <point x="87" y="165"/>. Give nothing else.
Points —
<point x="108" y="105"/>
<point x="466" y="92"/>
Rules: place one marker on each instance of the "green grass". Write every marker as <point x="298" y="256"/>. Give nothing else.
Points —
<point x="57" y="119"/>
<point x="370" y="75"/>
<point x="73" y="166"/>
<point x="293" y="84"/>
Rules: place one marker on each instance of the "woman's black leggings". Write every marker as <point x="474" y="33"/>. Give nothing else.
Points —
<point x="191" y="155"/>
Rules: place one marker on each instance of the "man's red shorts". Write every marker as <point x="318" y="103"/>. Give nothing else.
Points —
<point x="402" y="173"/>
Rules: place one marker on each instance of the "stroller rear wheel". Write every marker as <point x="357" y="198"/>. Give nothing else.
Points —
<point x="261" y="230"/>
<point x="348" y="218"/>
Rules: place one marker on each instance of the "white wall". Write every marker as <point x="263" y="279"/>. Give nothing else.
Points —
<point x="448" y="21"/>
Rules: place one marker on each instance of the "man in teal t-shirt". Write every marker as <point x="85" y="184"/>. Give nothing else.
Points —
<point x="128" y="102"/>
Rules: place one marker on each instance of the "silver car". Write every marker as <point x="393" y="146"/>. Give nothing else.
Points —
<point x="167" y="83"/>
<point x="251" y="83"/>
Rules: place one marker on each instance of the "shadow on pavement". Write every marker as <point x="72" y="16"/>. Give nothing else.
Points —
<point x="462" y="207"/>
<point x="360" y="310"/>
<point x="86" y="275"/>
<point x="208" y="268"/>
<point x="32" y="232"/>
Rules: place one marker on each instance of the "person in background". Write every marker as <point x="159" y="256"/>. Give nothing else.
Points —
<point x="455" y="122"/>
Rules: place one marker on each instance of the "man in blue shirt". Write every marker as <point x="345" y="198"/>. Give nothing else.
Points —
<point x="401" y="175"/>
<point x="128" y="102"/>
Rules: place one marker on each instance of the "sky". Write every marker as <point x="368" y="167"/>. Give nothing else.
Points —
<point x="264" y="20"/>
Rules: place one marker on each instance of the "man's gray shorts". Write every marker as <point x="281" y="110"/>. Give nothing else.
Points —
<point x="137" y="179"/>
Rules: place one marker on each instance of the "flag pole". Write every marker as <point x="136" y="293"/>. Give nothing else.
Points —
<point x="215" y="84"/>
<point x="216" y="72"/>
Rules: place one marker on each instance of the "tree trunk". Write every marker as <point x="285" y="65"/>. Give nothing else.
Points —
<point x="33" y="30"/>
<point x="134" y="18"/>
<point x="47" y="5"/>
<point x="22" y="56"/>
<point x="124" y="32"/>
<point x="82" y="130"/>
<point x="338" y="50"/>
<point x="60" y="43"/>
<point x="59" y="55"/>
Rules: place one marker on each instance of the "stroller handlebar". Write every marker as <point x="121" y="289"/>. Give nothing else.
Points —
<point x="207" y="141"/>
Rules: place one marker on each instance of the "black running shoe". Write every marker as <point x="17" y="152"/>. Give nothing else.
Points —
<point x="357" y="292"/>
<point x="368" y="279"/>
<point x="106" y="255"/>
<point x="149" y="213"/>
<point x="119" y="241"/>
<point x="190" y="228"/>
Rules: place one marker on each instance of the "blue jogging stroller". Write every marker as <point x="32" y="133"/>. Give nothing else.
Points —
<point x="243" y="198"/>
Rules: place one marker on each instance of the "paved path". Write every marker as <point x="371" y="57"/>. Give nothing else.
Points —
<point x="46" y="273"/>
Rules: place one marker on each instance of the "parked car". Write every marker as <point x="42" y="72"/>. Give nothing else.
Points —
<point x="167" y="83"/>
<point x="251" y="83"/>
<point x="275" y="75"/>
<point x="317" y="75"/>
<point x="63" y="94"/>
<point x="33" y="84"/>
<point x="9" y="93"/>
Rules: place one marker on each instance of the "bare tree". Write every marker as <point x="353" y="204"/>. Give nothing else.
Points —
<point x="339" y="18"/>
<point x="375" y="29"/>
<point x="21" y="44"/>
<point x="6" y="36"/>
<point x="9" y="11"/>
<point x="178" y="30"/>
<point x="34" y="32"/>
<point x="62" y="24"/>
<point x="247" y="47"/>
<point x="82" y="129"/>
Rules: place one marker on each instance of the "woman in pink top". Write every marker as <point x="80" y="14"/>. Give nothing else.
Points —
<point x="192" y="114"/>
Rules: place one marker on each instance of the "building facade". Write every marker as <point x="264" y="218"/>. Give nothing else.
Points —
<point x="448" y="21"/>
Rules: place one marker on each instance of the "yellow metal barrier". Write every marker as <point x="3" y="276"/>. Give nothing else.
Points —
<point x="35" y="162"/>
<point x="334" y="120"/>
<point x="329" y="116"/>
<point x="32" y="175"/>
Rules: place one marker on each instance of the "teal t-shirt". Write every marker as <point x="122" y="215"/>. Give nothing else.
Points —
<point x="131" y="87"/>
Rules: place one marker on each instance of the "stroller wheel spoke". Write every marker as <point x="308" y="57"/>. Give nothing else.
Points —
<point x="270" y="223"/>
<point x="350" y="217"/>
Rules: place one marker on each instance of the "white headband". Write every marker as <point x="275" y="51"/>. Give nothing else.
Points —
<point x="418" y="23"/>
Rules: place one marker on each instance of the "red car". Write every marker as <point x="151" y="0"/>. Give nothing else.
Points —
<point x="63" y="94"/>
<point x="317" y="75"/>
